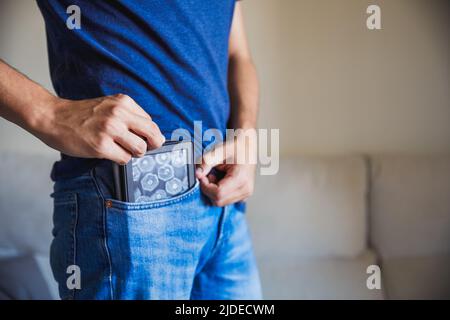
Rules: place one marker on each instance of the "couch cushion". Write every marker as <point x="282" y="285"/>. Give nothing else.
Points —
<point x="21" y="279"/>
<point x="314" y="206"/>
<point x="318" y="278"/>
<point x="410" y="205"/>
<point x="417" y="277"/>
<point x="43" y="263"/>
<point x="25" y="203"/>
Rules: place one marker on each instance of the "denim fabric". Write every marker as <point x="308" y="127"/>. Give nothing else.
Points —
<point x="181" y="248"/>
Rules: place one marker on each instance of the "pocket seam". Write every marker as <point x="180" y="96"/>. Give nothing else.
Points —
<point x="64" y="198"/>
<point x="70" y="200"/>
<point x="128" y="206"/>
<point x="74" y="237"/>
<point x="105" y="236"/>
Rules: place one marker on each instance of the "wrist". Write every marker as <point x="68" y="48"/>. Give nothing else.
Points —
<point x="41" y="118"/>
<point x="245" y="125"/>
<point x="246" y="140"/>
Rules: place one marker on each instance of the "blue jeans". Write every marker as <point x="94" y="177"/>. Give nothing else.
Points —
<point x="182" y="248"/>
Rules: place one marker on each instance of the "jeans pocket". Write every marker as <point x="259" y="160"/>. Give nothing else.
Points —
<point x="153" y="225"/>
<point x="62" y="250"/>
<point x="158" y="244"/>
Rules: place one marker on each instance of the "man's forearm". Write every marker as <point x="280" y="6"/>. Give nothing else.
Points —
<point x="244" y="93"/>
<point x="112" y="127"/>
<point x="22" y="101"/>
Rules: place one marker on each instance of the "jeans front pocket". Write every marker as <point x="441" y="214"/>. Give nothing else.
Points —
<point x="155" y="247"/>
<point x="63" y="247"/>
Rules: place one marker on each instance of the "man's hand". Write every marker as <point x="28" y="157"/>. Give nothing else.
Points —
<point x="112" y="127"/>
<point x="238" y="181"/>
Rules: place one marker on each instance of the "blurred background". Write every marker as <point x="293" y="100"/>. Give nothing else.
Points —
<point x="364" y="119"/>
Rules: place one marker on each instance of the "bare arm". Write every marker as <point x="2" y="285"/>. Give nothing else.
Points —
<point x="107" y="127"/>
<point x="238" y="182"/>
<point x="22" y="101"/>
<point x="243" y="84"/>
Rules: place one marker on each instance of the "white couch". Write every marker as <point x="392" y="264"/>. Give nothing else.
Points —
<point x="316" y="226"/>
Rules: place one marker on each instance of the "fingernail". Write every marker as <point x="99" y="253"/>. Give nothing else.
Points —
<point x="199" y="170"/>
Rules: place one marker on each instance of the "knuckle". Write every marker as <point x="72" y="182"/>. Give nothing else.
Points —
<point x="153" y="129"/>
<point x="154" y="126"/>
<point x="154" y="136"/>
<point x="108" y="125"/>
<point x="121" y="104"/>
<point x="123" y="98"/>
<point x="116" y="110"/>
<point x="141" y="148"/>
<point x="158" y="143"/>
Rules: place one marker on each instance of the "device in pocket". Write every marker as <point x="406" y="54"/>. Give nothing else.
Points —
<point x="161" y="174"/>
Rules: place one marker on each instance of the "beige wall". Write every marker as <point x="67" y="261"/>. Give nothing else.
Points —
<point x="328" y="83"/>
<point x="332" y="85"/>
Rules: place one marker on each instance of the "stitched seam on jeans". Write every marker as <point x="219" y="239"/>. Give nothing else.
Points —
<point x="74" y="235"/>
<point x="69" y="198"/>
<point x="105" y="239"/>
<point x="154" y="205"/>
<point x="70" y="258"/>
<point x="218" y="241"/>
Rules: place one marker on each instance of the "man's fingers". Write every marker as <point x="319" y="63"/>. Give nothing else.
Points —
<point x="137" y="109"/>
<point x="116" y="153"/>
<point x="203" y="170"/>
<point x="218" y="191"/>
<point x="228" y="185"/>
<point x="138" y="120"/>
<point x="132" y="143"/>
<point x="235" y="196"/>
<point x="211" y="159"/>
<point x="218" y="196"/>
<point x="147" y="129"/>
<point x="230" y="189"/>
<point x="209" y="188"/>
<point x="131" y="105"/>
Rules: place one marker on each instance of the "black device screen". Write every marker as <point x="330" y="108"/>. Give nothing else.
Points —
<point x="161" y="174"/>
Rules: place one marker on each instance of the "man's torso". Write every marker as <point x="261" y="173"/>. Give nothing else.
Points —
<point x="170" y="56"/>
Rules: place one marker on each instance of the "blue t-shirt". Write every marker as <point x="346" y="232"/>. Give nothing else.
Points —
<point x="170" y="56"/>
